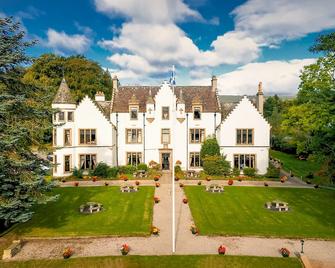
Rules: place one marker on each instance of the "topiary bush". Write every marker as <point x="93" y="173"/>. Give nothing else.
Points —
<point x="272" y="171"/>
<point x="216" y="165"/>
<point x="210" y="147"/>
<point x="251" y="172"/>
<point x="177" y="169"/>
<point x="142" y="166"/>
<point x="129" y="169"/>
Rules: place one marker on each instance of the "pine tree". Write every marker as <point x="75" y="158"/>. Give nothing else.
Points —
<point x="23" y="120"/>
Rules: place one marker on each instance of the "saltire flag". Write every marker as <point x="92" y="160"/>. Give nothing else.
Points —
<point x="173" y="77"/>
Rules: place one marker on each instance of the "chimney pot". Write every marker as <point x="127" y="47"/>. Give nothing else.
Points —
<point x="214" y="83"/>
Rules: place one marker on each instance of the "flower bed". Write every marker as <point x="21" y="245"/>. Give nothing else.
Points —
<point x="284" y="252"/>
<point x="222" y="249"/>
<point x="68" y="252"/>
<point x="194" y="230"/>
<point x="125" y="249"/>
<point x="155" y="230"/>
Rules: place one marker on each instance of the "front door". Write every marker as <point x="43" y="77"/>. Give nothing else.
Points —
<point x="165" y="161"/>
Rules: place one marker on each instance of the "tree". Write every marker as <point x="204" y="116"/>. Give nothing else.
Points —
<point x="23" y="121"/>
<point x="83" y="76"/>
<point x="324" y="43"/>
<point x="209" y="147"/>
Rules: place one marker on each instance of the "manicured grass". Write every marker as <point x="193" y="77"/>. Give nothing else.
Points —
<point x="241" y="211"/>
<point x="299" y="168"/>
<point x="124" y="213"/>
<point x="163" y="261"/>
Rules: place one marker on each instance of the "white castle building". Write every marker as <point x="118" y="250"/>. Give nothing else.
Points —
<point x="162" y="123"/>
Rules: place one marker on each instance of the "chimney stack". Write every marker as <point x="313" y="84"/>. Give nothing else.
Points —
<point x="100" y="96"/>
<point x="260" y="98"/>
<point x="214" y="83"/>
<point x="115" y="82"/>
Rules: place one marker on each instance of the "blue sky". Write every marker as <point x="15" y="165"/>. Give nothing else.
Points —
<point x="241" y="42"/>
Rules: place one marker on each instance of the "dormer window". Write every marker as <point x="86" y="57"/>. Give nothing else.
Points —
<point x="61" y="116"/>
<point x="197" y="113"/>
<point x="133" y="113"/>
<point x="165" y="113"/>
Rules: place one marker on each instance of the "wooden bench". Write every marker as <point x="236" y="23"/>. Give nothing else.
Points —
<point x="305" y="261"/>
<point x="12" y="250"/>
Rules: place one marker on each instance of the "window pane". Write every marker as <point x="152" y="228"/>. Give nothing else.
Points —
<point x="133" y="113"/>
<point x="93" y="136"/>
<point x="202" y="135"/>
<point x="196" y="113"/>
<point x="87" y="136"/>
<point x="238" y="136"/>
<point x="93" y="161"/>
<point x="192" y="160"/>
<point x="247" y="160"/>
<point x="69" y="116"/>
<point x="129" y="135"/>
<point x="82" y="161"/>
<point x="129" y="158"/>
<point x="133" y="136"/>
<point x="88" y="161"/>
<point x="244" y="136"/>
<point x="165" y="113"/>
<point x="236" y="163"/>
<point x="241" y="161"/>
<point x="82" y="136"/>
<point x="61" y="116"/>
<point x="197" y="135"/>
<point x="252" y="160"/>
<point x="250" y="136"/>
<point x="67" y="163"/>
<point x="139" y="135"/>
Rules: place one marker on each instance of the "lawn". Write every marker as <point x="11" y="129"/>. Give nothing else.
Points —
<point x="299" y="168"/>
<point x="163" y="261"/>
<point x="125" y="214"/>
<point x="240" y="211"/>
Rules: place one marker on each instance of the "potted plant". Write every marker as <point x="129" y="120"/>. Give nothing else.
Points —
<point x="176" y="178"/>
<point x="137" y="183"/>
<point x="199" y="182"/>
<point x="157" y="184"/>
<point x="178" y="162"/>
<point x="94" y="178"/>
<point x="85" y="177"/>
<point x="76" y="183"/>
<point x="156" y="178"/>
<point x="222" y="249"/>
<point x="194" y="230"/>
<point x="63" y="180"/>
<point x="123" y="177"/>
<point x="266" y="184"/>
<point x="185" y="200"/>
<point x="67" y="253"/>
<point x="155" y="230"/>
<point x="106" y="183"/>
<point x="230" y="182"/>
<point x="125" y="249"/>
<point x="156" y="199"/>
<point x="316" y="186"/>
<point x="208" y="178"/>
<point x="283" y="179"/>
<point x="285" y="252"/>
<point x="181" y="185"/>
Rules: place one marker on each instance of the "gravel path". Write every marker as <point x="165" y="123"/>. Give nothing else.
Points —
<point x="321" y="253"/>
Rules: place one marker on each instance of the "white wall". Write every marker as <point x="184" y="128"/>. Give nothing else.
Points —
<point x="245" y="115"/>
<point x="86" y="115"/>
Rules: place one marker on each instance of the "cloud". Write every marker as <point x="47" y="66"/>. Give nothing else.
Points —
<point x="214" y="21"/>
<point x="62" y="42"/>
<point x="278" y="77"/>
<point x="271" y="22"/>
<point x="84" y="29"/>
<point x="31" y="13"/>
<point x="148" y="11"/>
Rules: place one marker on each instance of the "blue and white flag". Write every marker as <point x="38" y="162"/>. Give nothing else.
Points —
<point x="173" y="78"/>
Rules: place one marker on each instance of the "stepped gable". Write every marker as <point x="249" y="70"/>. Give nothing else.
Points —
<point x="63" y="95"/>
<point x="104" y="107"/>
<point x="142" y="93"/>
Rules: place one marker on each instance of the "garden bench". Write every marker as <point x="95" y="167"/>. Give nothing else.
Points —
<point x="12" y="250"/>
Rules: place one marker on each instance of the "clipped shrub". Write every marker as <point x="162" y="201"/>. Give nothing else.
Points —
<point x="210" y="147"/>
<point x="251" y="172"/>
<point x="272" y="171"/>
<point x="216" y="165"/>
<point x="177" y="169"/>
<point x="78" y="173"/>
<point x="236" y="171"/>
<point x="142" y="166"/>
<point x="101" y="170"/>
<point x="129" y="169"/>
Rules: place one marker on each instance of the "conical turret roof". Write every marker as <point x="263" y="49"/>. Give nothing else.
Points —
<point x="63" y="94"/>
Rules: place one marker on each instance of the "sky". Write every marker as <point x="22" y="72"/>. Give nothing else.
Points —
<point x="241" y="42"/>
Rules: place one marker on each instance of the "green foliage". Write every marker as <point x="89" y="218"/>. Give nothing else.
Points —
<point x="210" y="147"/>
<point x="236" y="171"/>
<point x="177" y="169"/>
<point x="324" y="43"/>
<point x="251" y="172"/>
<point x="77" y="173"/>
<point x="83" y="76"/>
<point x="23" y="120"/>
<point x="113" y="171"/>
<point x="129" y="169"/>
<point x="105" y="171"/>
<point x="216" y="165"/>
<point x="142" y="166"/>
<point x="272" y="171"/>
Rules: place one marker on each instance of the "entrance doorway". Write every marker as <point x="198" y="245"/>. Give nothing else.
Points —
<point x="165" y="161"/>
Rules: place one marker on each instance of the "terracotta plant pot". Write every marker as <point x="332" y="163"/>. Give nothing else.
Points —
<point x="185" y="200"/>
<point x="199" y="182"/>
<point x="222" y="250"/>
<point x="230" y="182"/>
<point x="156" y="199"/>
<point x="157" y="184"/>
<point x="137" y="183"/>
<point x="181" y="185"/>
<point x="106" y="183"/>
<point x="76" y="184"/>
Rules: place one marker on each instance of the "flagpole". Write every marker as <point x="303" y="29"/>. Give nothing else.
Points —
<point x="173" y="184"/>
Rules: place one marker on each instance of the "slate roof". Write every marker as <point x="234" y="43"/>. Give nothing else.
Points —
<point x="142" y="93"/>
<point x="229" y="102"/>
<point x="63" y="94"/>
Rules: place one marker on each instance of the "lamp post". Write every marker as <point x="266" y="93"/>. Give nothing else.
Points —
<point x="302" y="246"/>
